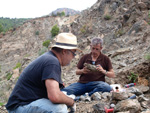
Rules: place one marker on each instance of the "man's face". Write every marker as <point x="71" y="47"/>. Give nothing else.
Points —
<point x="96" y="49"/>
<point x="69" y="55"/>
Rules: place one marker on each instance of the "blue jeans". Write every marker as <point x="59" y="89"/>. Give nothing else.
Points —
<point x="41" y="106"/>
<point x="90" y="87"/>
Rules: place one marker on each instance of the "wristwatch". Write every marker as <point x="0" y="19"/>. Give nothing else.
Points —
<point x="106" y="72"/>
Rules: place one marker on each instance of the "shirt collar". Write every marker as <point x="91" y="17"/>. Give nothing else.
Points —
<point x="99" y="57"/>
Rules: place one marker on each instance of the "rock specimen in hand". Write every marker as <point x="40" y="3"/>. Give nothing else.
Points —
<point x="91" y="67"/>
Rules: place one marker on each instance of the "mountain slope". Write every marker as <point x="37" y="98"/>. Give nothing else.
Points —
<point x="9" y="23"/>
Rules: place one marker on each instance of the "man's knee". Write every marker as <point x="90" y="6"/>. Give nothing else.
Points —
<point x="73" y="88"/>
<point x="107" y="88"/>
<point x="62" y="108"/>
<point x="104" y="87"/>
<point x="36" y="109"/>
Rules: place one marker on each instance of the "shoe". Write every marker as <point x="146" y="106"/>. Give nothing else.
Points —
<point x="85" y="97"/>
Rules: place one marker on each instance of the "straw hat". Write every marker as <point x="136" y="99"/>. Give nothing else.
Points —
<point x="66" y="41"/>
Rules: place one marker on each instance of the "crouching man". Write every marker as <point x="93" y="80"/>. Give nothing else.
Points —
<point x="38" y="87"/>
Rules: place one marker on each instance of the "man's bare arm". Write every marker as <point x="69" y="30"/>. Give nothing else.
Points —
<point x="82" y="71"/>
<point x="109" y="73"/>
<point x="55" y="95"/>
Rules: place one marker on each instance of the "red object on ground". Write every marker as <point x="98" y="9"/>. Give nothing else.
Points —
<point x="130" y="85"/>
<point x="109" y="110"/>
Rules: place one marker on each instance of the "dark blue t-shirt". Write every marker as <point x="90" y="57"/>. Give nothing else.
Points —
<point x="31" y="83"/>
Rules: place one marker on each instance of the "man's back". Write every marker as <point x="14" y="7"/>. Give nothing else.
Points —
<point x="31" y="85"/>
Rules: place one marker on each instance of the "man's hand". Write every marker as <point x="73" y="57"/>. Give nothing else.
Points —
<point x="85" y="70"/>
<point x="82" y="71"/>
<point x="71" y="96"/>
<point x="100" y="68"/>
<point x="72" y="108"/>
<point x="109" y="73"/>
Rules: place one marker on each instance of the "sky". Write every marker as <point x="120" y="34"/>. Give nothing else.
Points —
<point x="39" y="8"/>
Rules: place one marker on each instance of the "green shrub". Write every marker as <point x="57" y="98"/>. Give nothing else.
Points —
<point x="18" y="65"/>
<point x="62" y="13"/>
<point x="1" y="28"/>
<point x="107" y="17"/>
<point x="83" y="29"/>
<point x="132" y="77"/>
<point x="1" y="103"/>
<point x="37" y="33"/>
<point x="27" y="55"/>
<point x="0" y="68"/>
<point x="3" y="33"/>
<point x="120" y="32"/>
<point x="34" y="22"/>
<point x="147" y="57"/>
<point x="149" y="17"/>
<point x="42" y="51"/>
<point x="46" y="43"/>
<point x="54" y="30"/>
<point x="8" y="76"/>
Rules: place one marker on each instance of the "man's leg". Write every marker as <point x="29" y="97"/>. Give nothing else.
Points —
<point x="41" y="106"/>
<point x="98" y="86"/>
<point x="76" y="89"/>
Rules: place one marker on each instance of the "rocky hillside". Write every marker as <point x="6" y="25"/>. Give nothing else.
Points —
<point x="124" y="25"/>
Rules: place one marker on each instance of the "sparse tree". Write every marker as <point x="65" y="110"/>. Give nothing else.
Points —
<point x="58" y="14"/>
<point x="1" y="28"/>
<point x="54" y="30"/>
<point x="63" y="13"/>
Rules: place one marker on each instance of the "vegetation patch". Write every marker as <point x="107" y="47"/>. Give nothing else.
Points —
<point x="54" y="30"/>
<point x="60" y="14"/>
<point x="34" y="22"/>
<point x="107" y="11"/>
<point x="107" y="17"/>
<point x="3" y="33"/>
<point x="1" y="28"/>
<point x="120" y="32"/>
<point x="1" y="104"/>
<point x="37" y="33"/>
<point x="8" y="76"/>
<point x="0" y="68"/>
<point x="149" y="17"/>
<point x="46" y="43"/>
<point x="18" y="65"/>
<point x="10" y="23"/>
<point x="147" y="56"/>
<point x="83" y="29"/>
<point x="133" y="77"/>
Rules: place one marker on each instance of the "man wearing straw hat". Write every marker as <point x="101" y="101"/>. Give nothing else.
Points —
<point x="38" y="89"/>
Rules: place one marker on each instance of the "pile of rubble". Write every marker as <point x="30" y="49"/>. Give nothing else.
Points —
<point x="121" y="100"/>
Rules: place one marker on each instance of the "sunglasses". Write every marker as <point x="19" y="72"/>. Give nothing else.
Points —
<point x="72" y="53"/>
